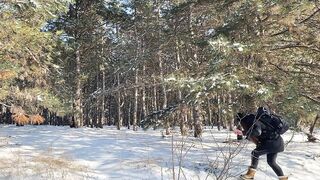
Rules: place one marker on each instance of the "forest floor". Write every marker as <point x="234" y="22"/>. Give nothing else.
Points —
<point x="52" y="152"/>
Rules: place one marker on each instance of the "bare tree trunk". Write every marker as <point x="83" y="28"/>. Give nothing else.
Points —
<point x="314" y="123"/>
<point x="135" y="108"/>
<point x="97" y="106"/>
<point x="144" y="107"/>
<point x="160" y="60"/>
<point x="90" y="116"/>
<point x="78" y="121"/>
<point x="164" y="96"/>
<point x="119" y="118"/>
<point x="311" y="137"/>
<point x="230" y="112"/>
<point x="155" y="99"/>
<point x="129" y="115"/>
<point x="103" y="110"/>
<point x="183" y="111"/>
<point x="110" y="118"/>
<point x="102" y="69"/>
<point x="196" y="108"/>
<point x="190" y="118"/>
<point x="223" y="111"/>
<point x="219" y="112"/>
<point x="209" y="112"/>
<point x="183" y="119"/>
<point x="197" y="121"/>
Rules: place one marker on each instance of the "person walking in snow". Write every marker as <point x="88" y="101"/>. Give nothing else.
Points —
<point x="268" y="142"/>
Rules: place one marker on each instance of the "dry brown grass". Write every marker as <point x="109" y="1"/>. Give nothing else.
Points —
<point x="5" y="74"/>
<point x="25" y="164"/>
<point x="36" y="119"/>
<point x="58" y="163"/>
<point x="20" y="119"/>
<point x="43" y="166"/>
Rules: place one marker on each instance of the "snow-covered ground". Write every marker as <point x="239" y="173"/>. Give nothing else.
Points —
<point x="49" y="152"/>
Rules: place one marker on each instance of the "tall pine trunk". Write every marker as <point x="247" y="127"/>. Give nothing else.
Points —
<point x="119" y="118"/>
<point x="103" y="110"/>
<point x="164" y="96"/>
<point x="196" y="108"/>
<point x="183" y="108"/>
<point x="78" y="118"/>
<point x="144" y="106"/>
<point x="155" y="99"/>
<point x="160" y="60"/>
<point x="197" y="120"/>
<point x="103" y="84"/>
<point x="183" y="119"/>
<point x="219" y="112"/>
<point x="209" y="112"/>
<point x="135" y="108"/>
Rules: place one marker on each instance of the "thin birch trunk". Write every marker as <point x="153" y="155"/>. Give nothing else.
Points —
<point x="135" y="108"/>
<point x="119" y="119"/>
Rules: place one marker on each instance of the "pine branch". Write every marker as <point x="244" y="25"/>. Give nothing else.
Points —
<point x="279" y="68"/>
<point x="154" y="119"/>
<point x="303" y="21"/>
<point x="296" y="72"/>
<point x="316" y="100"/>
<point x="296" y="46"/>
<point x="5" y="104"/>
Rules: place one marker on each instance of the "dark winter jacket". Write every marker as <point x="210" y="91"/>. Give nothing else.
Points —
<point x="257" y="130"/>
<point x="265" y="142"/>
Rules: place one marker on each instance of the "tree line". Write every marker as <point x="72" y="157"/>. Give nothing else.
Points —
<point x="160" y="63"/>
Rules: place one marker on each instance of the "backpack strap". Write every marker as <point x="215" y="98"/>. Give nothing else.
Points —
<point x="272" y="133"/>
<point x="267" y="123"/>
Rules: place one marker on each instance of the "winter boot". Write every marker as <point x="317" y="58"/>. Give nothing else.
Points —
<point x="283" y="177"/>
<point x="249" y="175"/>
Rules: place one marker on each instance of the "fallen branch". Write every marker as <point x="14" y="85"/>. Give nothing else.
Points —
<point x="311" y="138"/>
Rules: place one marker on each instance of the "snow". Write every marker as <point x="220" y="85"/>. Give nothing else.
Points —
<point x="262" y="90"/>
<point x="52" y="152"/>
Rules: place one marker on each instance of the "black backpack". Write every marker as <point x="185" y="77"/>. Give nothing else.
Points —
<point x="275" y="124"/>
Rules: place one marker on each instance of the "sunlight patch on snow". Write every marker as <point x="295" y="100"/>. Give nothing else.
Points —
<point x="107" y="153"/>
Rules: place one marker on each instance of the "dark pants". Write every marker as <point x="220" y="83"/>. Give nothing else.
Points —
<point x="271" y="159"/>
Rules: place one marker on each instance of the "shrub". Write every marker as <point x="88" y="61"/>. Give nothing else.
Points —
<point x="36" y="119"/>
<point x="20" y="119"/>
